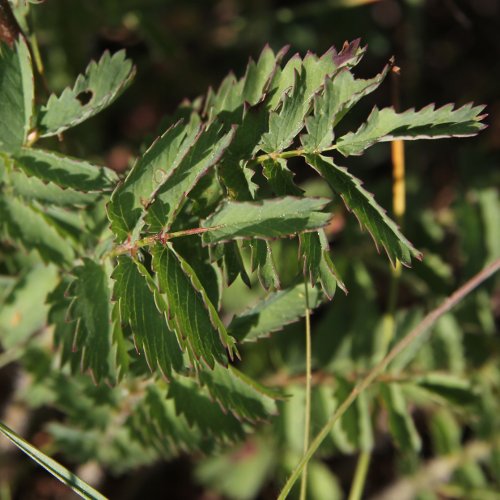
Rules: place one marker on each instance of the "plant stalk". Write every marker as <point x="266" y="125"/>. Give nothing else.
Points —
<point x="291" y="153"/>
<point x="420" y="329"/>
<point x="397" y="157"/>
<point x="307" y="411"/>
<point x="132" y="247"/>
<point x="358" y="484"/>
<point x="389" y="319"/>
<point x="398" y="209"/>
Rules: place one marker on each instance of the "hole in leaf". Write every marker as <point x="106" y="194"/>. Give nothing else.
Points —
<point x="85" y="97"/>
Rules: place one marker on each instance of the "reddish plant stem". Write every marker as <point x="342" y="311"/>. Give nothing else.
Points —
<point x="133" y="247"/>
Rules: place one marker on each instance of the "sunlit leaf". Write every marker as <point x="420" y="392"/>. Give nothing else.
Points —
<point x="191" y="314"/>
<point x="65" y="171"/>
<point x="427" y="123"/>
<point x="93" y="91"/>
<point x="32" y="188"/>
<point x="384" y="231"/>
<point x="149" y="173"/>
<point x="309" y="78"/>
<point x="265" y="219"/>
<point x="207" y="149"/>
<point x="16" y="89"/>
<point x="138" y="308"/>
<point x="339" y="96"/>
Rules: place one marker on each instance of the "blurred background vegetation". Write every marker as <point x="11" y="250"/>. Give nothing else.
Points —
<point x="448" y="51"/>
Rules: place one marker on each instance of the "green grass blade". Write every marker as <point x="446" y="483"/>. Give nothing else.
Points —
<point x="64" y="475"/>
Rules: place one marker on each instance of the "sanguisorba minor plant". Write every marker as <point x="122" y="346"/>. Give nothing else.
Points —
<point x="133" y="268"/>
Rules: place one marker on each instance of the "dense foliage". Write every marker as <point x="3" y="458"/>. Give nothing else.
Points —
<point x="133" y="276"/>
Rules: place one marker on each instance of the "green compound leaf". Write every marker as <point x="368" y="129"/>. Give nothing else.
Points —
<point x="206" y="151"/>
<point x="384" y="231"/>
<point x="57" y="470"/>
<point x="72" y="340"/>
<point x="69" y="223"/>
<point x="191" y="314"/>
<point x="350" y="90"/>
<point x="258" y="75"/>
<point x="137" y="300"/>
<point x="232" y="167"/>
<point x="149" y="173"/>
<point x="32" y="229"/>
<point x="101" y="84"/>
<point x="266" y="219"/>
<point x="308" y="79"/>
<point x="91" y="309"/>
<point x="273" y="313"/>
<point x="340" y="94"/>
<point x="286" y="124"/>
<point x="317" y="70"/>
<point x="289" y="121"/>
<point x="32" y="188"/>
<point x="235" y="392"/>
<point x="282" y="82"/>
<point x="320" y="125"/>
<point x="400" y="421"/>
<point x="17" y="91"/>
<point x="198" y="408"/>
<point x="227" y="99"/>
<point x="233" y="94"/>
<point x="64" y="171"/>
<point x="428" y="123"/>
